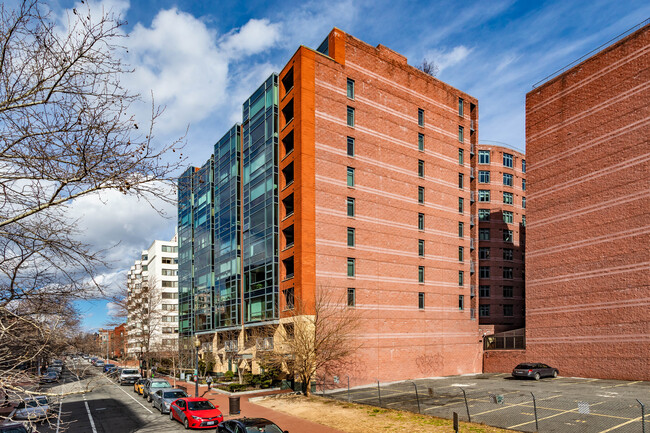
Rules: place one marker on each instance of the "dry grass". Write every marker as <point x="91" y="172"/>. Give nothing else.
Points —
<point x="356" y="418"/>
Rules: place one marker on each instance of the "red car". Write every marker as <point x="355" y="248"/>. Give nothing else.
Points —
<point x="195" y="412"/>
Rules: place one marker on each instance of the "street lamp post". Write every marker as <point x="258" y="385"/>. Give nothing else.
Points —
<point x="197" y="344"/>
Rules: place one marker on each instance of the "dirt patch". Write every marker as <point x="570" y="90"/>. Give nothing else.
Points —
<point x="357" y="418"/>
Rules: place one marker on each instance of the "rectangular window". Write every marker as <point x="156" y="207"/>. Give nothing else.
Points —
<point x="420" y="274"/>
<point x="484" y="195"/>
<point x="523" y="166"/>
<point x="508" y="310"/>
<point x="421" y="300"/>
<point x="523" y="202"/>
<point x="507" y="236"/>
<point x="507" y="273"/>
<point x="484" y="272"/>
<point x="484" y="253"/>
<point x="507" y="198"/>
<point x="461" y="254"/>
<point x="508" y="292"/>
<point x="507" y="179"/>
<point x="289" y="298"/>
<point x="484" y="291"/>
<point x="460" y="204"/>
<point x="483" y="234"/>
<point x="461" y="278"/>
<point x="483" y="156"/>
<point x="483" y="176"/>
<point x="461" y="229"/>
<point x="420" y="168"/>
<point x="461" y="302"/>
<point x="350" y="88"/>
<point x="460" y="106"/>
<point x="350" y="202"/>
<point x="523" y="220"/>
<point x="350" y="176"/>
<point x="507" y="217"/>
<point x="508" y="254"/>
<point x="420" y="221"/>
<point x="351" y="267"/>
<point x="352" y="298"/>
<point x="350" y="146"/>
<point x="523" y="184"/>
<point x="351" y="116"/>
<point x="170" y="283"/>
<point x="460" y="180"/>
<point x="461" y="158"/>
<point x="350" y="236"/>
<point x="507" y="160"/>
<point x="484" y="310"/>
<point x="421" y="247"/>
<point x="461" y="131"/>
<point x="484" y="214"/>
<point x="421" y="142"/>
<point x="420" y="194"/>
<point x="420" y="117"/>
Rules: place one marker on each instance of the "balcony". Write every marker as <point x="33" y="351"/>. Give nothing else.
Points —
<point x="471" y="244"/>
<point x="231" y="346"/>
<point x="472" y="125"/>
<point x="472" y="290"/>
<point x="472" y="313"/>
<point x="265" y="343"/>
<point x="471" y="173"/>
<point x="472" y="267"/>
<point x="471" y="220"/>
<point x="471" y="149"/>
<point x="472" y="199"/>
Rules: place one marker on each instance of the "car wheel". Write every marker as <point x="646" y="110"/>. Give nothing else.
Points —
<point x="149" y="398"/>
<point x="171" y="415"/>
<point x="186" y="423"/>
<point x="537" y="376"/>
<point x="554" y="373"/>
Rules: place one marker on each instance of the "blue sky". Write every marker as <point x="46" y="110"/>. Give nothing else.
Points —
<point x="202" y="59"/>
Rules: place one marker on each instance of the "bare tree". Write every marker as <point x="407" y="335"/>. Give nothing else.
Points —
<point x="429" y="67"/>
<point x="319" y="338"/>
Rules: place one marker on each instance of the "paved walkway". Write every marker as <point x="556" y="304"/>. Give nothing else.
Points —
<point x="252" y="410"/>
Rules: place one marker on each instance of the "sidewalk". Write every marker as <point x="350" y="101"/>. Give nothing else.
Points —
<point x="252" y="410"/>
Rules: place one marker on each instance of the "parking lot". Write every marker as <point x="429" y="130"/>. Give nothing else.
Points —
<point x="562" y="405"/>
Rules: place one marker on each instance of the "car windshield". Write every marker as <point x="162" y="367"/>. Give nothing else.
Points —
<point x="129" y="371"/>
<point x="174" y="394"/>
<point x="164" y="384"/>
<point x="32" y="403"/>
<point x="200" y="405"/>
<point x="141" y="381"/>
<point x="524" y="366"/>
<point x="268" y="428"/>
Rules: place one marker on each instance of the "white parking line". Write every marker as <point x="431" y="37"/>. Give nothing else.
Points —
<point x="58" y="418"/>
<point x="90" y="417"/>
<point x="133" y="398"/>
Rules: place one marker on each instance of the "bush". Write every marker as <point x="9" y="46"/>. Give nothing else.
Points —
<point x="229" y="375"/>
<point x="234" y="387"/>
<point x="267" y="383"/>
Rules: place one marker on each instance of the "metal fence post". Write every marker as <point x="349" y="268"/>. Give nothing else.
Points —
<point x="469" y="418"/>
<point x="535" y="409"/>
<point x="417" y="397"/>
<point x="642" y="416"/>
<point x="348" y="389"/>
<point x="379" y="393"/>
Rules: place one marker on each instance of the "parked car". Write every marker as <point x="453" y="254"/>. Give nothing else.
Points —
<point x="49" y="377"/>
<point x="16" y="427"/>
<point x="129" y="375"/>
<point x="108" y="367"/>
<point x="138" y="386"/>
<point x="32" y="408"/>
<point x="163" y="398"/>
<point x="152" y="385"/>
<point x="99" y="363"/>
<point x="250" y="425"/>
<point x="534" y="370"/>
<point x="195" y="412"/>
<point x="56" y="368"/>
<point x="93" y="360"/>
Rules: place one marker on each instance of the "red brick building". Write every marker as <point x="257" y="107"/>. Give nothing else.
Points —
<point x="375" y="163"/>
<point x="588" y="233"/>
<point x="501" y="197"/>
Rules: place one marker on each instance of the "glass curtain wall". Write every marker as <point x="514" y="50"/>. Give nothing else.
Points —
<point x="227" y="228"/>
<point x="203" y="274"/>
<point x="260" y="201"/>
<point x="185" y="251"/>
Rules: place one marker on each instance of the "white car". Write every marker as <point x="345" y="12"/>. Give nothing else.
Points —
<point x="129" y="376"/>
<point x="32" y="408"/>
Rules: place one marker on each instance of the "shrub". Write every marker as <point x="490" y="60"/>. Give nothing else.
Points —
<point x="228" y="375"/>
<point x="234" y="387"/>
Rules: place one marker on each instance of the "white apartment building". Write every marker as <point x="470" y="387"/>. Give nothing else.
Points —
<point x="152" y="282"/>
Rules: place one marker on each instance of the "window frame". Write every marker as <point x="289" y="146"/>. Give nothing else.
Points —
<point x="352" y="297"/>
<point x="350" y="146"/>
<point x="351" y="237"/>
<point x="351" y="205"/>
<point x="484" y="176"/>
<point x="350" y="86"/>
<point x="350" y="177"/>
<point x="483" y="153"/>
<point x="421" y="301"/>
<point x="350" y="119"/>
<point x="352" y="267"/>
<point x="508" y="160"/>
<point x="421" y="117"/>
<point x="420" y="247"/>
<point x="420" y="142"/>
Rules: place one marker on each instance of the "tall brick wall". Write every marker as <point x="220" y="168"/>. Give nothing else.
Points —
<point x="399" y="340"/>
<point x="588" y="233"/>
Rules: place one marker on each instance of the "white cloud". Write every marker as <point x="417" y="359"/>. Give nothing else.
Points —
<point x="253" y="37"/>
<point x="447" y="59"/>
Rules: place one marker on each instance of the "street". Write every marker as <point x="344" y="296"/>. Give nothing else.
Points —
<point x="108" y="408"/>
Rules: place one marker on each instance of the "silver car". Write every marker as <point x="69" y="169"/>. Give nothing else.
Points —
<point x="163" y="398"/>
<point x="32" y="408"/>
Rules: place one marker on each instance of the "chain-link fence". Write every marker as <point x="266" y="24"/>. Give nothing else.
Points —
<point x="547" y="412"/>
